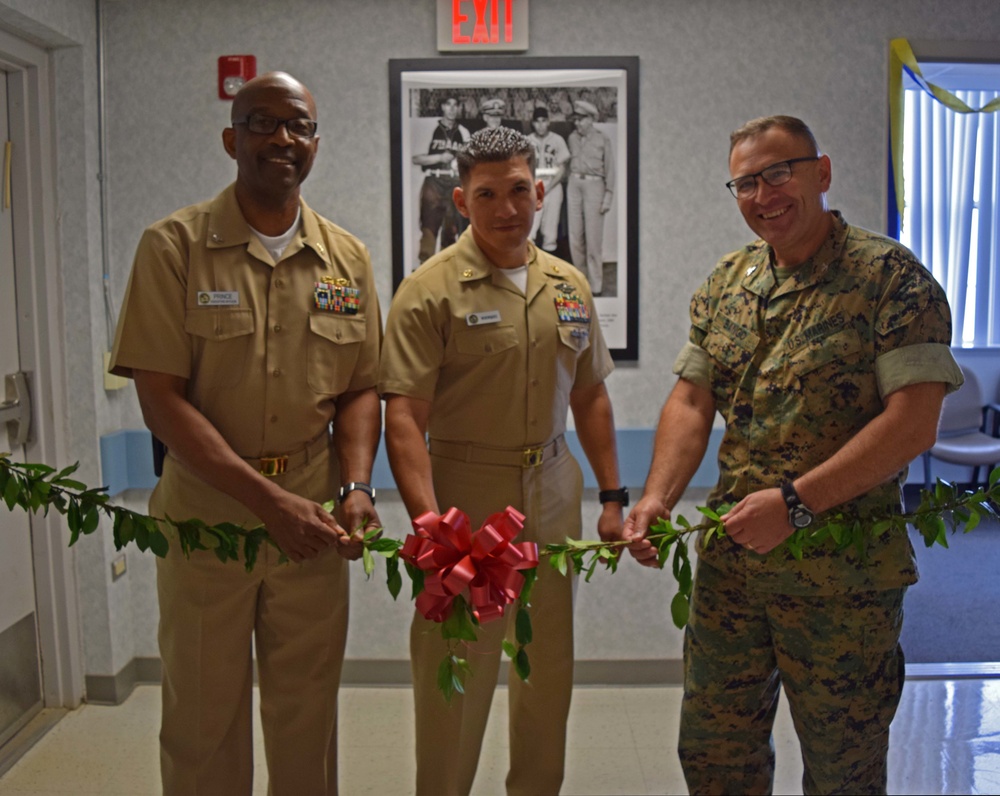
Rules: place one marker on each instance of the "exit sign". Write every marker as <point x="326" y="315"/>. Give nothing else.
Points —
<point x="482" y="25"/>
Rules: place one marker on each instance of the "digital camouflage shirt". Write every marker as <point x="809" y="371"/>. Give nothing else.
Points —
<point x="797" y="367"/>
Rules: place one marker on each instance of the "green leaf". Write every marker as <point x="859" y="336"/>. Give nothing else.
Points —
<point x="509" y="649"/>
<point x="445" y="680"/>
<point x="708" y="513"/>
<point x="158" y="543"/>
<point x="972" y="521"/>
<point x="522" y="627"/>
<point x="11" y="492"/>
<point x="994" y="477"/>
<point x="558" y="562"/>
<point x="680" y="610"/>
<point x="521" y="664"/>
<point x="393" y="580"/>
<point x="90" y="521"/>
<point x="459" y="624"/>
<point x="530" y="576"/>
<point x="368" y="561"/>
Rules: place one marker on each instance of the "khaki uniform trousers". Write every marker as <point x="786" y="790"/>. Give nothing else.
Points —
<point x="584" y="196"/>
<point x="839" y="661"/>
<point x="449" y="736"/>
<point x="208" y="612"/>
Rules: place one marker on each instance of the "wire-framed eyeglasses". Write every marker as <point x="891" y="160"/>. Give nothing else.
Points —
<point x="776" y="174"/>
<point x="267" y="125"/>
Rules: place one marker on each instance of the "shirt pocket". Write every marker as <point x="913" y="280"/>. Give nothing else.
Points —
<point x="222" y="342"/>
<point x="729" y="356"/>
<point x="332" y="350"/>
<point x="576" y="337"/>
<point x="485" y="341"/>
<point x="832" y="375"/>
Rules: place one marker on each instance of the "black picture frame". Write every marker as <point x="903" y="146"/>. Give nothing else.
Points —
<point x="611" y="85"/>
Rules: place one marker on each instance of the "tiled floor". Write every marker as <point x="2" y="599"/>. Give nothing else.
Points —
<point x="946" y="739"/>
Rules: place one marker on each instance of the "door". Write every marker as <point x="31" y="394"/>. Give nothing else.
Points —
<point x="20" y="662"/>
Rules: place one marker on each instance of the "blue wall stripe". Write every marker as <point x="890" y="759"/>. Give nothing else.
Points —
<point x="127" y="462"/>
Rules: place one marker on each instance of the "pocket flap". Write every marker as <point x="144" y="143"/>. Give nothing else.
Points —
<point x="218" y="323"/>
<point x="484" y="341"/>
<point x="340" y="329"/>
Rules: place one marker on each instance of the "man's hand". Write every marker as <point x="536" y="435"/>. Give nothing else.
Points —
<point x="759" y="522"/>
<point x="606" y="202"/>
<point x="609" y="524"/>
<point x="643" y="514"/>
<point x="358" y="516"/>
<point x="300" y="527"/>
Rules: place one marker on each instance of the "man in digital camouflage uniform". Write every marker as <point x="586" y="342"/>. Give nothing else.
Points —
<point x="825" y="348"/>
<point x="487" y="346"/>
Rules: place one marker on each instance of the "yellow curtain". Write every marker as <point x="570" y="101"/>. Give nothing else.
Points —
<point x="900" y="56"/>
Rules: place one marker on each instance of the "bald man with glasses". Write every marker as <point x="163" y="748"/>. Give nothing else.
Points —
<point x="251" y="327"/>
<point x="825" y="348"/>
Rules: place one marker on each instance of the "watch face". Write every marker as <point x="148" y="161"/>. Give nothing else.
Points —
<point x="801" y="517"/>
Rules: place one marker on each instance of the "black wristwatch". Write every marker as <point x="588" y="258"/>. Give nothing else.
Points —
<point x="798" y="515"/>
<point x="346" y="489"/>
<point x="617" y="495"/>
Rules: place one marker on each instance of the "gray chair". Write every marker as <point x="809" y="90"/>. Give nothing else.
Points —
<point x="961" y="436"/>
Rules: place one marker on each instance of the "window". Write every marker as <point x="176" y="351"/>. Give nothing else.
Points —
<point x="951" y="172"/>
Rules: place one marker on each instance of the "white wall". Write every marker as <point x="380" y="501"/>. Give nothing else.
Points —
<point x="705" y="68"/>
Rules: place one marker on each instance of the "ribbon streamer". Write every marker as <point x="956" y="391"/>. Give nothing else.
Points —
<point x="455" y="560"/>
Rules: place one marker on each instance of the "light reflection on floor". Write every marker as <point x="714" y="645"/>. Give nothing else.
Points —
<point x="945" y="740"/>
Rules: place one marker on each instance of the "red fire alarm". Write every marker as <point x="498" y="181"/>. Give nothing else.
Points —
<point x="234" y="71"/>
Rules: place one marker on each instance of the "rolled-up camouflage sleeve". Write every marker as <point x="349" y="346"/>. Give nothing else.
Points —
<point x="693" y="362"/>
<point x="694" y="365"/>
<point x="914" y="334"/>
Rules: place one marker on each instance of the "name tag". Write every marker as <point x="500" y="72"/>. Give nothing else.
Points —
<point x="479" y="318"/>
<point x="218" y="298"/>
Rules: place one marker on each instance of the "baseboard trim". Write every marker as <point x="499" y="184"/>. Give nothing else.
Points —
<point x="360" y="672"/>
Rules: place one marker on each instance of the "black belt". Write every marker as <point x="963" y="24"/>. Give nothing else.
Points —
<point x="511" y="457"/>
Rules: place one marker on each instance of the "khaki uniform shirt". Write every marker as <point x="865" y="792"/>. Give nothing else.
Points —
<point x="264" y="361"/>
<point x="592" y="155"/>
<point x="497" y="365"/>
<point x="798" y="369"/>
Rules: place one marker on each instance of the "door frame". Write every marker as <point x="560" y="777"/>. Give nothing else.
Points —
<point x="42" y="352"/>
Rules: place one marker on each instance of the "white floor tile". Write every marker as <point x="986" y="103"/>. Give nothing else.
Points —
<point x="946" y="739"/>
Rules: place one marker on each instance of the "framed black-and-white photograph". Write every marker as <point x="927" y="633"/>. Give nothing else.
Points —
<point x="582" y="115"/>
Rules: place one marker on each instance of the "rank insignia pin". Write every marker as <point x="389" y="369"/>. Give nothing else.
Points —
<point x="565" y="287"/>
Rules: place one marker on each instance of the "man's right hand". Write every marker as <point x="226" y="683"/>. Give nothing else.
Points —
<point x="646" y="511"/>
<point x="301" y="528"/>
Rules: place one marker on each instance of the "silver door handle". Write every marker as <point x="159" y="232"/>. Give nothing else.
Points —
<point x="16" y="409"/>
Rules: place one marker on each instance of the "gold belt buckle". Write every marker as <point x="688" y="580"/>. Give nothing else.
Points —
<point x="273" y="465"/>
<point x="532" y="457"/>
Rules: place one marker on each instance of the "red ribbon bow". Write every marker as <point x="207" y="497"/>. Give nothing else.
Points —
<point x="455" y="559"/>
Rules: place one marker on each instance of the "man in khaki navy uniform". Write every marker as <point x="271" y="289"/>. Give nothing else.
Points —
<point x="589" y="192"/>
<point x="250" y="323"/>
<point x="825" y="348"/>
<point x="486" y="347"/>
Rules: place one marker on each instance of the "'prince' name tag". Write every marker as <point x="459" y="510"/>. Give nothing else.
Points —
<point x="479" y="318"/>
<point x="218" y="298"/>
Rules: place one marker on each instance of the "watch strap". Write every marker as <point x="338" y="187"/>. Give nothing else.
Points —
<point x="360" y="486"/>
<point x="619" y="495"/>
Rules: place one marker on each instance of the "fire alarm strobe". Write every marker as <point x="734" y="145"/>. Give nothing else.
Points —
<point x="234" y="71"/>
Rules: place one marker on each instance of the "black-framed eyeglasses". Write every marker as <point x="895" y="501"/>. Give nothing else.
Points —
<point x="776" y="174"/>
<point x="267" y="125"/>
